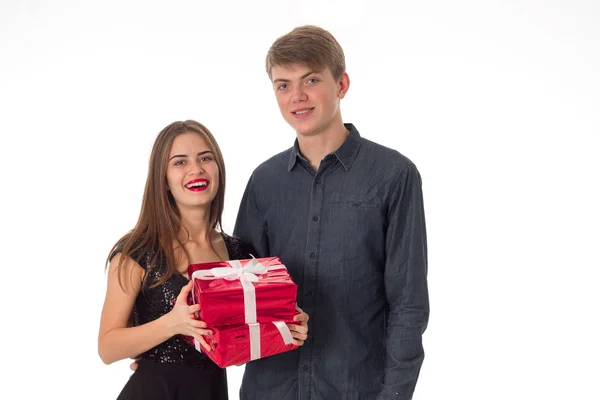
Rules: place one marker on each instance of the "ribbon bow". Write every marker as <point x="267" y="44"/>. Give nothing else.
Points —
<point x="247" y="272"/>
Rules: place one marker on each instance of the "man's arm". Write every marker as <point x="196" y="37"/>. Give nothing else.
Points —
<point x="405" y="286"/>
<point x="250" y="225"/>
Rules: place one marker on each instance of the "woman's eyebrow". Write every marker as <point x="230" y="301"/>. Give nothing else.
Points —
<point x="185" y="155"/>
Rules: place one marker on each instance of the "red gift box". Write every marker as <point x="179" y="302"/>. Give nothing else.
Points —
<point x="235" y="345"/>
<point x="239" y="292"/>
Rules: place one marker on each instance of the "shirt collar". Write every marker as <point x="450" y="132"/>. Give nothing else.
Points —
<point x="346" y="153"/>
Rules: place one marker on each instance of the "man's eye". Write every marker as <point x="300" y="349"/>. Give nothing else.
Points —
<point x="312" y="81"/>
<point x="282" y="87"/>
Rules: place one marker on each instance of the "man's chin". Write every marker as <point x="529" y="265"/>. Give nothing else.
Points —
<point x="306" y="131"/>
<point x="302" y="128"/>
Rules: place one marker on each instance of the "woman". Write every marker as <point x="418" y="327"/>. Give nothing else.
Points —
<point x="179" y="224"/>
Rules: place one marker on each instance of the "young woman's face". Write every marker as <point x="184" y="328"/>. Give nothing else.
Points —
<point x="192" y="172"/>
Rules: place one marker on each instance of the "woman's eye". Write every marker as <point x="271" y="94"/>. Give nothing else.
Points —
<point x="205" y="159"/>
<point x="179" y="162"/>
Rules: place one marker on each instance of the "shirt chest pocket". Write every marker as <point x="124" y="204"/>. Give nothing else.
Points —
<point x="349" y="204"/>
<point x="354" y="224"/>
<point x="355" y="202"/>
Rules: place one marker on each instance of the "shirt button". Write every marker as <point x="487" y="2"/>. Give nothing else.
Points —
<point x="305" y="368"/>
<point x="312" y="255"/>
<point x="315" y="218"/>
<point x="309" y="294"/>
<point x="318" y="181"/>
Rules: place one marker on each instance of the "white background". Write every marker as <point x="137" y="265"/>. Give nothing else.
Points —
<point x="497" y="102"/>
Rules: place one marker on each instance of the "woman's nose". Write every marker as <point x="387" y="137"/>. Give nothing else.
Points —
<point x="196" y="168"/>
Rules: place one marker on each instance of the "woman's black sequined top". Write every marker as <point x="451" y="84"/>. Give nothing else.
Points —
<point x="153" y="303"/>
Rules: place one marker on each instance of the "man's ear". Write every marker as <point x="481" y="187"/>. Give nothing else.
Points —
<point x="344" y="85"/>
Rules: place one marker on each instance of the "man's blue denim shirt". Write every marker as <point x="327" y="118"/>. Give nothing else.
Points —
<point x="352" y="236"/>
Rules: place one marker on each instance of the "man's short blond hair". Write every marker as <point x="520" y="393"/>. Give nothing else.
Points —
<point x="308" y="45"/>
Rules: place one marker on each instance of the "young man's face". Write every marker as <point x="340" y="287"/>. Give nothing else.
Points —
<point x="309" y="100"/>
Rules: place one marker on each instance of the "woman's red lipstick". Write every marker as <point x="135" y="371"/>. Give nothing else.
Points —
<point x="197" y="185"/>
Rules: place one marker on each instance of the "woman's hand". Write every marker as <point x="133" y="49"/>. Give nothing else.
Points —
<point x="181" y="320"/>
<point x="299" y="332"/>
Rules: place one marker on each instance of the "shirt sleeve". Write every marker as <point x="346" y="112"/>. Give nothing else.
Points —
<point x="250" y="225"/>
<point x="405" y="286"/>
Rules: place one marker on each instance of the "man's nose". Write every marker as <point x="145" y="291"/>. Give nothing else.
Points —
<point x="299" y="94"/>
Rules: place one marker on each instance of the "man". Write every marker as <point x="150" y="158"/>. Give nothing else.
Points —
<point x="346" y="217"/>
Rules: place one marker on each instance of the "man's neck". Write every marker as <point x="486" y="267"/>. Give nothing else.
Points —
<point x="315" y="147"/>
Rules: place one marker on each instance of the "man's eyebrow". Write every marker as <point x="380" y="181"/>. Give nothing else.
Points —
<point x="308" y="73"/>
<point x="185" y="155"/>
<point x="302" y="77"/>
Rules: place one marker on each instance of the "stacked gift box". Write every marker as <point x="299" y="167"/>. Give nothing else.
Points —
<point x="247" y="304"/>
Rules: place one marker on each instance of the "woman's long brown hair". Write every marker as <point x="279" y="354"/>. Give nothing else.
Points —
<point x="159" y="223"/>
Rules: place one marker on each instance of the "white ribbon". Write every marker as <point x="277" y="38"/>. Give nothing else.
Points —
<point x="284" y="331"/>
<point x="246" y="275"/>
<point x="247" y="272"/>
<point x="254" y="330"/>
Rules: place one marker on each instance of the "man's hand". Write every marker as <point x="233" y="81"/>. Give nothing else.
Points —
<point x="299" y="332"/>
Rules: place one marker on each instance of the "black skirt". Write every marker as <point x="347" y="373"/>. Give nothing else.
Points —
<point x="156" y="381"/>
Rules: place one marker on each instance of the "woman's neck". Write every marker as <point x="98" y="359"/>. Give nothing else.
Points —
<point x="196" y="226"/>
